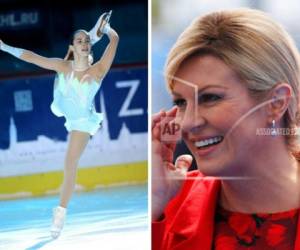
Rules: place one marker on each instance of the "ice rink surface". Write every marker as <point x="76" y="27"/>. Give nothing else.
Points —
<point x="106" y="219"/>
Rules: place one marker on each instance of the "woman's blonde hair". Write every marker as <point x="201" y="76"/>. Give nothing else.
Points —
<point x="259" y="50"/>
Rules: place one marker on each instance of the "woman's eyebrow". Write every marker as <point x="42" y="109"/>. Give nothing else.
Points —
<point x="211" y="86"/>
<point x="175" y="94"/>
<point x="85" y="39"/>
<point x="199" y="90"/>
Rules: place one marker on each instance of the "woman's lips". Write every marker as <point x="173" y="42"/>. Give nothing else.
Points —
<point x="206" y="146"/>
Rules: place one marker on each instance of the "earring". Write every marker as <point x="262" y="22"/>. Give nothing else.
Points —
<point x="273" y="129"/>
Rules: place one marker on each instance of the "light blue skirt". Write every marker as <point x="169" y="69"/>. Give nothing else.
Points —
<point x="77" y="117"/>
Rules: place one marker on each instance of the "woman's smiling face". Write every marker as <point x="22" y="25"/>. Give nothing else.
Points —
<point x="211" y="99"/>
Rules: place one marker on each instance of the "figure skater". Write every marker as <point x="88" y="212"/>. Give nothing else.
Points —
<point x="77" y="83"/>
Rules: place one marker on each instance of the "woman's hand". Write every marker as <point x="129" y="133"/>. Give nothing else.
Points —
<point x="104" y="20"/>
<point x="167" y="177"/>
<point x="99" y="31"/>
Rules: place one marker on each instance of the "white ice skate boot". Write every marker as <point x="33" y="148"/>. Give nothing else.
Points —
<point x="59" y="214"/>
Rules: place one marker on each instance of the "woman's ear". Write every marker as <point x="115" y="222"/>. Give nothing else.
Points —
<point x="279" y="103"/>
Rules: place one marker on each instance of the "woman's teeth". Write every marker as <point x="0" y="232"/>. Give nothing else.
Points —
<point x="207" y="142"/>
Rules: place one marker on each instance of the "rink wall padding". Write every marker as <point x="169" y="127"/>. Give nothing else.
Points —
<point x="87" y="179"/>
<point x="33" y="141"/>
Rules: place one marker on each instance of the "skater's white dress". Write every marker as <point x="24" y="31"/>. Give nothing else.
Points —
<point x="74" y="100"/>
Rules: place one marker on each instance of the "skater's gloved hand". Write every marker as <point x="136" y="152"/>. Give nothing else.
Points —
<point x="17" y="52"/>
<point x="104" y="25"/>
<point x="105" y="28"/>
<point x="97" y="31"/>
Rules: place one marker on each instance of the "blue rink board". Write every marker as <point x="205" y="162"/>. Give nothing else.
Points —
<point x="109" y="219"/>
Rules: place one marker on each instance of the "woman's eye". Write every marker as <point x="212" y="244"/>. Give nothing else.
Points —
<point x="206" y="98"/>
<point x="179" y="102"/>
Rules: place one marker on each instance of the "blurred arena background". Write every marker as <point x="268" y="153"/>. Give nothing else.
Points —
<point x="171" y="17"/>
<point x="32" y="140"/>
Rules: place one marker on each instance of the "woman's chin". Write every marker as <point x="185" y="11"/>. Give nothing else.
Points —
<point x="212" y="168"/>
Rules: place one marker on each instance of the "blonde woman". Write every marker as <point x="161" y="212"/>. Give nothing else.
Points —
<point x="234" y="78"/>
<point x="76" y="86"/>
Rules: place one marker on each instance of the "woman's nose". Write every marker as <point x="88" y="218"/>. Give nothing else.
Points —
<point x="192" y="119"/>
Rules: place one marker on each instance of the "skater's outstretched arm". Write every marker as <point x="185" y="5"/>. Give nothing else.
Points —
<point x="56" y="64"/>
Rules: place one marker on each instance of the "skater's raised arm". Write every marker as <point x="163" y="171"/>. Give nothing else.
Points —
<point x="56" y="64"/>
<point x="103" y="65"/>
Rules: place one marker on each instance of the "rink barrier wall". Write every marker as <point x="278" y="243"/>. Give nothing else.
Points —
<point x="87" y="179"/>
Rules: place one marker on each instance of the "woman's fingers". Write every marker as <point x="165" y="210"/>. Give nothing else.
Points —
<point x="156" y="124"/>
<point x="161" y="127"/>
<point x="183" y="162"/>
<point x="162" y="113"/>
<point x="164" y="147"/>
<point x="167" y="153"/>
<point x="156" y="118"/>
<point x="168" y="116"/>
<point x="156" y="132"/>
<point x="159" y="138"/>
<point x="172" y="111"/>
<point x="169" y="166"/>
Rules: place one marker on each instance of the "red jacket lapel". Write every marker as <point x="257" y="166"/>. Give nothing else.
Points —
<point x="297" y="243"/>
<point x="194" y="218"/>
